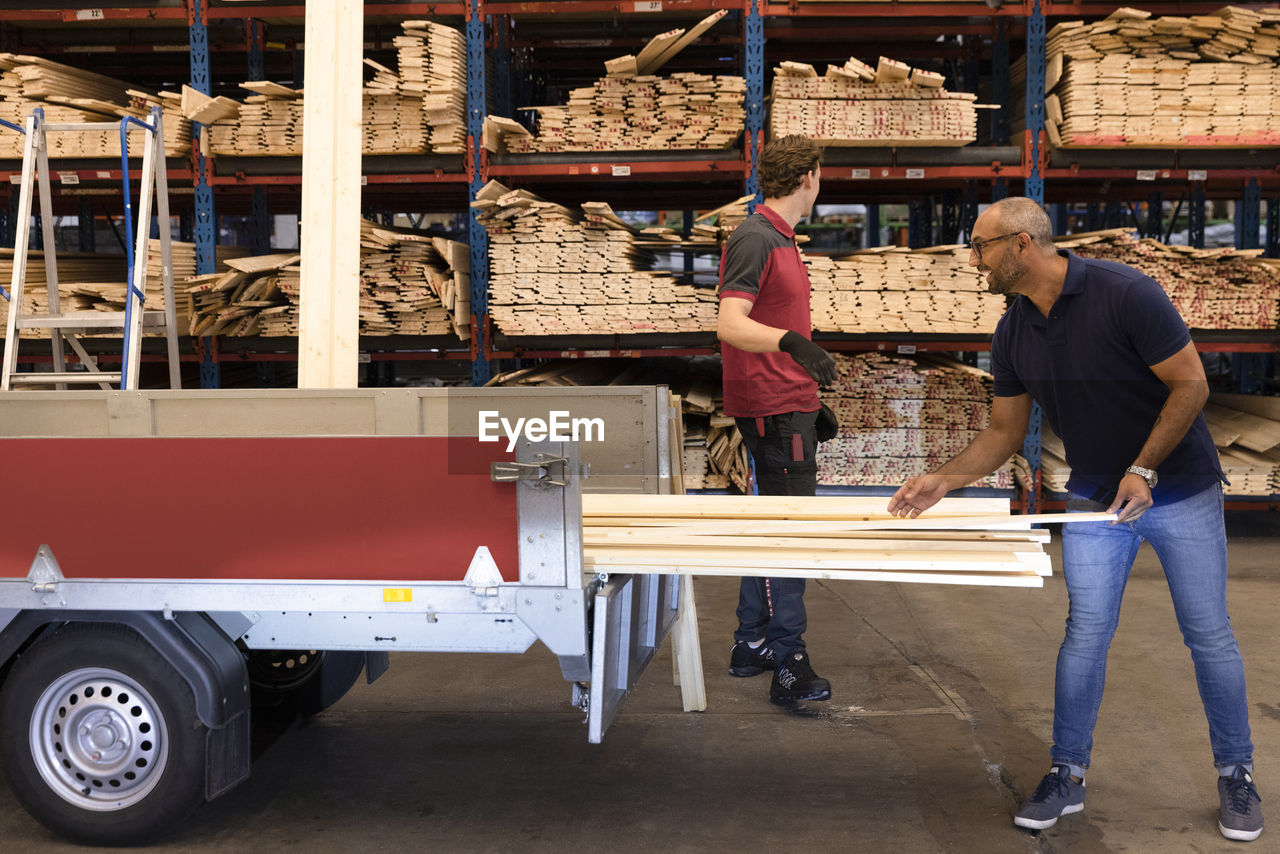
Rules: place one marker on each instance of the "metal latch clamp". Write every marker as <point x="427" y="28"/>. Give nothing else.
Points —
<point x="546" y="470"/>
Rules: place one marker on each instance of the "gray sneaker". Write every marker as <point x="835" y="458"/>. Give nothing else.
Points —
<point x="1056" y="796"/>
<point x="1240" y="816"/>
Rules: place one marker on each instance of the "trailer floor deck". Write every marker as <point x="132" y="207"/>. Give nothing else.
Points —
<point x="938" y="726"/>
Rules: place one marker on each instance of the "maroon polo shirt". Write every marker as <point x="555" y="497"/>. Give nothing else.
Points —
<point x="761" y="263"/>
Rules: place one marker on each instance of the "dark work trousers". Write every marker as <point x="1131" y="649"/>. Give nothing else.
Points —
<point x="782" y="448"/>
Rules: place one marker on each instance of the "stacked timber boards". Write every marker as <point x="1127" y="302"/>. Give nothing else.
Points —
<point x="1174" y="81"/>
<point x="931" y="290"/>
<point x="67" y="95"/>
<point x="558" y="271"/>
<point x="904" y="416"/>
<point x="419" y="109"/>
<point x="1211" y="288"/>
<point x="857" y="105"/>
<point x="633" y="108"/>
<point x="959" y="541"/>
<point x="410" y="284"/>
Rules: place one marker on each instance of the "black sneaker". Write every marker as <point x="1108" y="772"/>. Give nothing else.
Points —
<point x="1240" y="816"/>
<point x="795" y="680"/>
<point x="745" y="661"/>
<point x="1056" y="796"/>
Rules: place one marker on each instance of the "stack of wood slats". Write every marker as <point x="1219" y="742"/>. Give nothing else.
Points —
<point x="410" y="284"/>
<point x="635" y="109"/>
<point x="68" y="94"/>
<point x="901" y="417"/>
<point x="556" y="271"/>
<point x="1211" y="288"/>
<point x="856" y="105"/>
<point x="713" y="455"/>
<point x="959" y="541"/>
<point x="1174" y="81"/>
<point x="930" y="290"/>
<point x="420" y="109"/>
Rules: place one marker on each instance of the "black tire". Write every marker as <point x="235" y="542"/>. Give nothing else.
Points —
<point x="304" y="682"/>
<point x="90" y="764"/>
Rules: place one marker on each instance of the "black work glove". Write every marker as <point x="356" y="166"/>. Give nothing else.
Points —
<point x="816" y="361"/>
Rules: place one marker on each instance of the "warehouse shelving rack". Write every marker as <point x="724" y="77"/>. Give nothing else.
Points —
<point x="963" y="177"/>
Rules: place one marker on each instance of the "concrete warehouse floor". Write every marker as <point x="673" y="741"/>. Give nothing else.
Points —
<point x="938" y="727"/>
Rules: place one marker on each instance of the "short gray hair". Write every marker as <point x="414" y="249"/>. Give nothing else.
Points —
<point x="1023" y="215"/>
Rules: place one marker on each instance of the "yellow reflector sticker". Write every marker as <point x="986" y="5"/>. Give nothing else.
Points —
<point x="397" y="594"/>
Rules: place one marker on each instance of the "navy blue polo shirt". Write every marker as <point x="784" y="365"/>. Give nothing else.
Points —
<point x="1086" y="364"/>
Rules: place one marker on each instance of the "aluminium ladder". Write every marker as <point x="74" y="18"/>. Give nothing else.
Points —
<point x="134" y="319"/>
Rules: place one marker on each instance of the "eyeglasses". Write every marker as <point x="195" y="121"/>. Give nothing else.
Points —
<point x="978" y="245"/>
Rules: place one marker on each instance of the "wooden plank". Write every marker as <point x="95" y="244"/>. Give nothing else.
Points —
<point x="654" y="48"/>
<point x="686" y="651"/>
<point x="601" y="505"/>
<point x="329" y="307"/>
<point x="669" y="52"/>
<point x="774" y="558"/>
<point x="976" y="578"/>
<point x="764" y="529"/>
<point x="852" y="544"/>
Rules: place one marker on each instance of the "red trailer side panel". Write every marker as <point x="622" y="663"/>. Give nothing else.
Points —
<point x="393" y="508"/>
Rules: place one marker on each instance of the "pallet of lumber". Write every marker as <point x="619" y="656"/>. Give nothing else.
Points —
<point x="904" y="416"/>
<point x="633" y="108"/>
<point x="931" y="290"/>
<point x="410" y="284"/>
<point x="959" y="541"/>
<point x="559" y="271"/>
<point x="68" y="94"/>
<point x="853" y="105"/>
<point x="419" y="108"/>
<point x="1211" y="288"/>
<point x="1134" y="80"/>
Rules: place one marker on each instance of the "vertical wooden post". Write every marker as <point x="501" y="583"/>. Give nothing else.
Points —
<point x="329" y="310"/>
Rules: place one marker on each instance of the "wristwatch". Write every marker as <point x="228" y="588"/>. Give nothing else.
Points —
<point x="1149" y="475"/>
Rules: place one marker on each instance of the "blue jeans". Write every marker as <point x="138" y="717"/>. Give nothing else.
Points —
<point x="1190" y="539"/>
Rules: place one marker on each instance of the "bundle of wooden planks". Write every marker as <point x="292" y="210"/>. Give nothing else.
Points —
<point x="1132" y="80"/>
<point x="633" y="108"/>
<point x="420" y="109"/>
<point x="557" y="271"/>
<point x="68" y="94"/>
<point x="856" y="105"/>
<point x="959" y="541"/>
<point x="1211" y="288"/>
<point x="712" y="453"/>
<point x="931" y="290"/>
<point x="904" y="416"/>
<point x="410" y="284"/>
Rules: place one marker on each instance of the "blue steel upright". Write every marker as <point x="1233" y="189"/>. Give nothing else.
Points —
<point x="206" y="219"/>
<point x="1250" y="216"/>
<point x="753" y="72"/>
<point x="478" y="238"/>
<point x="1034" y="189"/>
<point x="1273" y="228"/>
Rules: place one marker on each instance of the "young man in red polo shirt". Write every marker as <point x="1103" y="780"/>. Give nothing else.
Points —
<point x="771" y="376"/>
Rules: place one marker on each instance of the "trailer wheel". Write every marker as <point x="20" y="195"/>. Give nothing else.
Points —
<point x="101" y="738"/>
<point x="303" y="681"/>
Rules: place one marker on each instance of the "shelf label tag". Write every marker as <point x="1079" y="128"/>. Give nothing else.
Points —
<point x="906" y="349"/>
<point x="363" y="358"/>
<point x="648" y="6"/>
<point x="621" y="171"/>
<point x="860" y="174"/>
<point x="68" y="178"/>
<point x="915" y="173"/>
<point x="102" y="173"/>
<point x="89" y="15"/>
<point x="1197" y="174"/>
<point x="1146" y="174"/>
<point x="364" y="180"/>
<point x="15" y="178"/>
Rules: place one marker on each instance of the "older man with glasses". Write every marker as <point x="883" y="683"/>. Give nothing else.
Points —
<point x="1103" y="351"/>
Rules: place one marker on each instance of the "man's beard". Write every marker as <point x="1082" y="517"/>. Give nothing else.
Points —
<point x="1003" y="279"/>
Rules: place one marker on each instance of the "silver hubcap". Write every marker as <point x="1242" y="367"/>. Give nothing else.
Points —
<point x="98" y="739"/>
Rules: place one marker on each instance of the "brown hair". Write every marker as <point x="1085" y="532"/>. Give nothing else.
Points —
<point x="784" y="162"/>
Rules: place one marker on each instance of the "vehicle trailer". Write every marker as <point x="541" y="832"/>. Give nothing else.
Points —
<point x="171" y="560"/>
